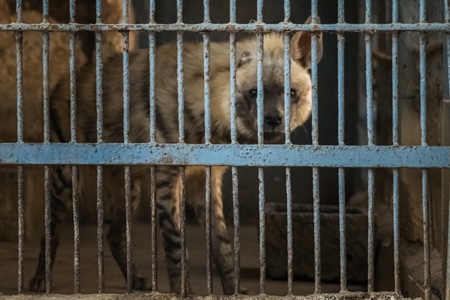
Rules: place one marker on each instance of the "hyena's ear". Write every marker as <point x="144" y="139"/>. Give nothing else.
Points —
<point x="301" y="46"/>
<point x="244" y="58"/>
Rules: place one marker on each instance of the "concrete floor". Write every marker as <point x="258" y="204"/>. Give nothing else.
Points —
<point x="114" y="282"/>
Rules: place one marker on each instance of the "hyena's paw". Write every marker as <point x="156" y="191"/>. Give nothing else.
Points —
<point x="244" y="291"/>
<point x="37" y="283"/>
<point x="142" y="283"/>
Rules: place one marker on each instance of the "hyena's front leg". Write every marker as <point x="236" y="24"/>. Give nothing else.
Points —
<point x="221" y="245"/>
<point x="167" y="195"/>
<point x="117" y="234"/>
<point x="60" y="200"/>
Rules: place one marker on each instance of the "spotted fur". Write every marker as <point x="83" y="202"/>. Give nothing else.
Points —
<point x="167" y="177"/>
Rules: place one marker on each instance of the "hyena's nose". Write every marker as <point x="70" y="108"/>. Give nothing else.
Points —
<point x="274" y="119"/>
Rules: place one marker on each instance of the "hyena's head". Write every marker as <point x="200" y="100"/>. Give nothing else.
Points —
<point x="273" y="83"/>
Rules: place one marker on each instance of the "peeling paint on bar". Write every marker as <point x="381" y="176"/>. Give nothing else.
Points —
<point x="230" y="27"/>
<point x="232" y="155"/>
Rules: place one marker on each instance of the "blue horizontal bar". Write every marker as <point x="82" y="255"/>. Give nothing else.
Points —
<point x="232" y="155"/>
<point x="231" y="27"/>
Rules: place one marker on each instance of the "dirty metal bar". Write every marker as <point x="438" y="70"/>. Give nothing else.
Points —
<point x="287" y="108"/>
<point x="226" y="154"/>
<point x="184" y="267"/>
<point x="180" y="77"/>
<point x="128" y="218"/>
<point x="395" y="142"/>
<point x="287" y="86"/>
<point x="207" y="105"/>
<point x="75" y="202"/>
<point x="209" y="282"/>
<point x="447" y="277"/>
<point x="152" y="81"/>
<point x="315" y="142"/>
<point x="371" y="235"/>
<point x="234" y="171"/>
<point x="370" y="138"/>
<point x="182" y="169"/>
<point x="46" y="113"/>
<point x="126" y="133"/>
<point x="290" y="247"/>
<point x="236" y="223"/>
<point x="260" y="88"/>
<point x="20" y="192"/>
<point x="317" y="249"/>
<point x="423" y="127"/>
<point x="426" y="236"/>
<point x="251" y="27"/>
<point x="341" y="141"/>
<point x="99" y="108"/>
<point x="262" y="233"/>
<point x="154" y="229"/>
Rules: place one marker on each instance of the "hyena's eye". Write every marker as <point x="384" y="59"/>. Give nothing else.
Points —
<point x="293" y="94"/>
<point x="253" y="93"/>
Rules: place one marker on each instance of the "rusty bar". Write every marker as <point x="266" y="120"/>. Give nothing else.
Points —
<point x="250" y="27"/>
<point x="290" y="243"/>
<point x="317" y="248"/>
<point x="184" y="267"/>
<point x="262" y="233"/>
<point x="287" y="86"/>
<point x="341" y="141"/>
<point x="46" y="113"/>
<point x="99" y="109"/>
<point x="154" y="229"/>
<point x="260" y="88"/>
<point x="152" y="80"/>
<point x="100" y="244"/>
<point x="180" y="80"/>
<point x="371" y="235"/>
<point x="128" y="218"/>
<point x="447" y="265"/>
<point x="426" y="236"/>
<point x="236" y="223"/>
<point x="209" y="281"/>
<point x="20" y="190"/>
<point x="395" y="142"/>
<point x="47" y="220"/>
<point x="73" y="125"/>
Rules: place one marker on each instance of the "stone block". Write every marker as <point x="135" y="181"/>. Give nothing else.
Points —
<point x="303" y="242"/>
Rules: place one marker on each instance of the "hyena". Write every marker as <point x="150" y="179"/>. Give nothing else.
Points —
<point x="167" y="177"/>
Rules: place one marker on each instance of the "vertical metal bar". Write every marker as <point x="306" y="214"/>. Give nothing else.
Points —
<point x="154" y="230"/>
<point x="180" y="81"/>
<point x="46" y="112"/>
<point x="447" y="283"/>
<point x="341" y="141"/>
<point x="426" y="236"/>
<point x="99" y="108"/>
<point x="290" y="243"/>
<point x="370" y="137"/>
<point x="234" y="171"/>
<point x="20" y="193"/>
<point x="236" y="223"/>
<point x="152" y="58"/>
<point x="206" y="68"/>
<point x="315" y="141"/>
<point x="73" y="124"/>
<point x="233" y="74"/>
<point x="287" y="87"/>
<point x="126" y="133"/>
<point x="184" y="269"/>
<point x="180" y="75"/>
<point x="260" y="124"/>
<point x="395" y="140"/>
<point x="423" y="127"/>
<point x="262" y="233"/>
